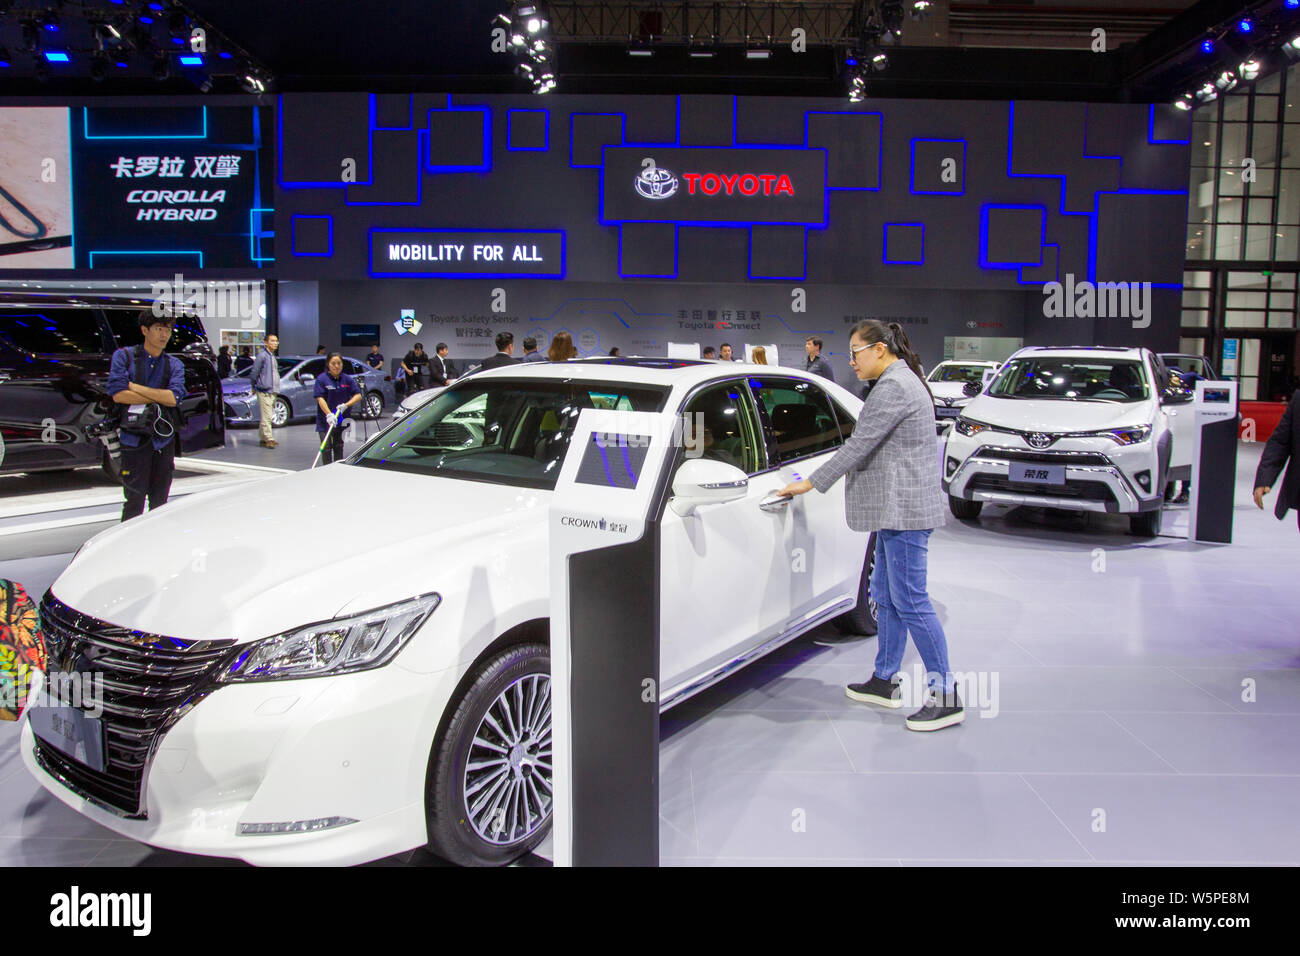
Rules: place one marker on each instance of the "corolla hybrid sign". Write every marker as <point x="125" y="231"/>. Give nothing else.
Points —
<point x="538" y="254"/>
<point x="713" y="185"/>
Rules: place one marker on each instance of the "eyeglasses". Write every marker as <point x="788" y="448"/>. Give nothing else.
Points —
<point x="855" y="349"/>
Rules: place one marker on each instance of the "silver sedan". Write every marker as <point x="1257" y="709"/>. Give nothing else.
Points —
<point x="295" y="400"/>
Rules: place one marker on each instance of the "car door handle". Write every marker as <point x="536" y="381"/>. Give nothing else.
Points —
<point x="774" y="502"/>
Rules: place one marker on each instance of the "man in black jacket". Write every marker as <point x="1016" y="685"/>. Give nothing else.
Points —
<point x="505" y="351"/>
<point x="1280" y="452"/>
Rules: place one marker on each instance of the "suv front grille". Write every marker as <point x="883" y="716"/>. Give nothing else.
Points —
<point x="1083" y="490"/>
<point x="148" y="682"/>
<point x="1044" y="457"/>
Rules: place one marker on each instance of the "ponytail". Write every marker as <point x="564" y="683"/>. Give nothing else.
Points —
<point x="872" y="331"/>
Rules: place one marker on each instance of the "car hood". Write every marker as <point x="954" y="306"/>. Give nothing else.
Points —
<point x="953" y="390"/>
<point x="1049" y="415"/>
<point x="236" y="386"/>
<point x="256" y="560"/>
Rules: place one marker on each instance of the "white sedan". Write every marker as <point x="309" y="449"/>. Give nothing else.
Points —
<point x="343" y="698"/>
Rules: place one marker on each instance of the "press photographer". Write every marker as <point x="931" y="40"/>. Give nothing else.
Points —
<point x="151" y="384"/>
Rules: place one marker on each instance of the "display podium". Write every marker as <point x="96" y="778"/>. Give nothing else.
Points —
<point x="1214" y="462"/>
<point x="604" y="557"/>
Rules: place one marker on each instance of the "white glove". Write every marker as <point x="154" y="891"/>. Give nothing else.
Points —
<point x="332" y="418"/>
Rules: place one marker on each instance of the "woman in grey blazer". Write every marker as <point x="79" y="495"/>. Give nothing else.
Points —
<point x="891" y="486"/>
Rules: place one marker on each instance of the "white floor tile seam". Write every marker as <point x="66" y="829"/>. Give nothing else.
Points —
<point x="1159" y="756"/>
<point x="1056" y="816"/>
<point x="847" y="756"/>
<point x="1206" y="690"/>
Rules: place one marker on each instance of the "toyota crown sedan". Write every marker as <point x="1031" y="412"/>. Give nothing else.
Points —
<point x="357" y="697"/>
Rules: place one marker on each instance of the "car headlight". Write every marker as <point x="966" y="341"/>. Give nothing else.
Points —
<point x="1122" y="436"/>
<point x="357" y="643"/>
<point x="968" y="427"/>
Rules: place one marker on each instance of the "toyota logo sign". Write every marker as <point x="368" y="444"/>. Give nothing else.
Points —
<point x="1040" y="440"/>
<point x="655" y="182"/>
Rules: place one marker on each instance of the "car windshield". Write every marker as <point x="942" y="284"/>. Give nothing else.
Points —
<point x="500" y="430"/>
<point x="44" y="331"/>
<point x="959" y="373"/>
<point x="1072" y="379"/>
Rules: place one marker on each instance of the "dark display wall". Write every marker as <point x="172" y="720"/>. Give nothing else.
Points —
<point x="759" y="195"/>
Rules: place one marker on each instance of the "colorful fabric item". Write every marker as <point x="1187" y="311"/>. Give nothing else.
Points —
<point x="22" y="648"/>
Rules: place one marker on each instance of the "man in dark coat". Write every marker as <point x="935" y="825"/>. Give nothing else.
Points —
<point x="1281" y="451"/>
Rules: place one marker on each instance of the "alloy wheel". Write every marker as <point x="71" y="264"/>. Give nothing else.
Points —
<point x="508" y="791"/>
<point x="279" y="413"/>
<point x="374" y="405"/>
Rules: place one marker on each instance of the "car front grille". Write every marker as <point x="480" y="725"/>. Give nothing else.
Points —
<point x="1044" y="458"/>
<point x="148" y="682"/>
<point x="1083" y="490"/>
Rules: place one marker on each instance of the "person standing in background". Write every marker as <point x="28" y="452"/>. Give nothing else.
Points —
<point x="335" y="393"/>
<point x="709" y="353"/>
<point x="891" y="474"/>
<point x="760" y="355"/>
<point x="441" y="371"/>
<point x="413" y="365"/>
<point x="376" y="358"/>
<point x="266" y="383"/>
<point x="530" y="351"/>
<point x="245" y="359"/>
<point x="561" y="349"/>
<point x="724" y="352"/>
<point x="224" y="363"/>
<point x="816" y="363"/>
<point x="1280" y="452"/>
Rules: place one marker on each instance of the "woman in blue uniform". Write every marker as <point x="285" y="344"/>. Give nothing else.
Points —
<point x="335" y="393"/>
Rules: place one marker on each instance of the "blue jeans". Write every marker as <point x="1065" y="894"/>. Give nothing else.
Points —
<point x="902" y="605"/>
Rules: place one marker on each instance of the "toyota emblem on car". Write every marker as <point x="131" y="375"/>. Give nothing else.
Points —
<point x="1040" y="440"/>
<point x="655" y="182"/>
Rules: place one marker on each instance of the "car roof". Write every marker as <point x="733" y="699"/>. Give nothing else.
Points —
<point x="966" y="362"/>
<point x="1082" y="351"/>
<point x="672" y="373"/>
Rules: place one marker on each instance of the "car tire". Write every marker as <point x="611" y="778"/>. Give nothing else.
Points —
<point x="374" y="405"/>
<point x="1147" y="523"/>
<point x="468" y="810"/>
<point x="862" y="619"/>
<point x="281" y="412"/>
<point x="964" y="510"/>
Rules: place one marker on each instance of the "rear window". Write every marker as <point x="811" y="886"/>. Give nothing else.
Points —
<point x="64" y="331"/>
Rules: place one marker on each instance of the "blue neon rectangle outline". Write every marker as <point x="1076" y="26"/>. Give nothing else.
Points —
<point x="374" y="115"/>
<point x="293" y="236"/>
<point x="143" y="252"/>
<point x="420" y="136"/>
<point x="486" y="165"/>
<point x="749" y="249"/>
<point x="546" y="128"/>
<point x="911" y="170"/>
<point x="370" y="249"/>
<point x="86" y="134"/>
<point x="985" y="262"/>
<point x="904" y="262"/>
<point x="723" y="223"/>
<point x="1151" y="131"/>
<point x="255" y="235"/>
<point x="310" y="184"/>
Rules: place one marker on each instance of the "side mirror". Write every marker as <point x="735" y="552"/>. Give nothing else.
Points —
<point x="306" y="377"/>
<point x="971" y="389"/>
<point x="1176" y="396"/>
<point x="703" y="481"/>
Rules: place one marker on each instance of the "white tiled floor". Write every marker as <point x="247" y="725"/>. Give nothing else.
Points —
<point x="1122" y="735"/>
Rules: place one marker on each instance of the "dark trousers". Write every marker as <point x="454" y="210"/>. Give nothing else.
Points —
<point x="146" y="473"/>
<point x="334" y="447"/>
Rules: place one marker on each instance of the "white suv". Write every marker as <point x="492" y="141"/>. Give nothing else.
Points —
<point x="948" y="383"/>
<point x="1084" y="428"/>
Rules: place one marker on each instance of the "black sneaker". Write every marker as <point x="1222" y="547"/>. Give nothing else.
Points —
<point x="939" y="712"/>
<point x="882" y="693"/>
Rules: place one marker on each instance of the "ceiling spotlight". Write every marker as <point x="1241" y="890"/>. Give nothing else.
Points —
<point x="517" y="39"/>
<point x="1249" y="70"/>
<point x="1185" y="102"/>
<point x="1206" y="93"/>
<point x="536" y="24"/>
<point x="1207" y="46"/>
<point x="50" y="21"/>
<point x="1292" y="4"/>
<point x="503" y="19"/>
<point x="1292" y="48"/>
<point x="1225" y="81"/>
<point x="923" y="8"/>
<point x="252" y="83"/>
<point x="1245" y="25"/>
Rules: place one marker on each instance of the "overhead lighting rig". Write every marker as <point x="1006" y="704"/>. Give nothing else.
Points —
<point x="1242" y="48"/>
<point x="528" y="29"/>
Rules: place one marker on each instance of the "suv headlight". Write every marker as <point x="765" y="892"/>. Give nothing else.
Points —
<point x="1122" y="436"/>
<point x="968" y="427"/>
<point x="346" y="644"/>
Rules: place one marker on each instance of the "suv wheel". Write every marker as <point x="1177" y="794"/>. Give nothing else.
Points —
<point x="490" y="792"/>
<point x="963" y="509"/>
<point x="1146" y="524"/>
<point x="862" y="619"/>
